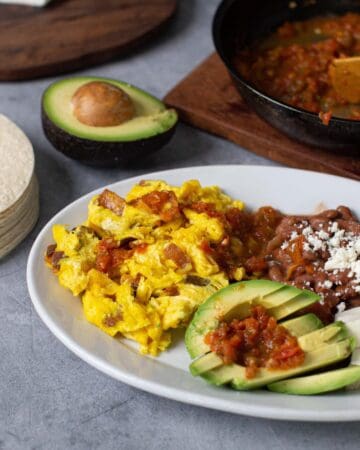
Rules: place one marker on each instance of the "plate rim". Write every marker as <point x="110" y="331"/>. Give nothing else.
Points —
<point x="156" y="388"/>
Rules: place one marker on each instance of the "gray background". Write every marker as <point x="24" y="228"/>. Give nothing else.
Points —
<point x="49" y="398"/>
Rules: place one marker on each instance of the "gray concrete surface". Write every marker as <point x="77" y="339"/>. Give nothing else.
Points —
<point x="49" y="398"/>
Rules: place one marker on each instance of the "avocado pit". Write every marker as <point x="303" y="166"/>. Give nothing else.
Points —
<point x="101" y="104"/>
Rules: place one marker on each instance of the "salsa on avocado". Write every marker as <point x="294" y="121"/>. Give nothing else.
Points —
<point x="292" y="64"/>
<point x="254" y="342"/>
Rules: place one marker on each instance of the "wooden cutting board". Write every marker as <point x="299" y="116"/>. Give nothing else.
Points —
<point x="71" y="34"/>
<point x="208" y="100"/>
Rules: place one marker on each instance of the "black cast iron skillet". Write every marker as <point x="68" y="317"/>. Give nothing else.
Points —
<point x="240" y="23"/>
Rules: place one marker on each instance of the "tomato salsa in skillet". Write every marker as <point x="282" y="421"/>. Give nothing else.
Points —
<point x="292" y="64"/>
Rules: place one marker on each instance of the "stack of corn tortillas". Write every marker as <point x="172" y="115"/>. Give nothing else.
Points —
<point x="19" y="196"/>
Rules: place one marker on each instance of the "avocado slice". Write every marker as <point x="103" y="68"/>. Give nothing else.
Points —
<point x="237" y="300"/>
<point x="319" y="383"/>
<point x="316" y="359"/>
<point x="298" y="327"/>
<point x="303" y="325"/>
<point x="150" y="126"/>
<point x="205" y="363"/>
<point x="330" y="334"/>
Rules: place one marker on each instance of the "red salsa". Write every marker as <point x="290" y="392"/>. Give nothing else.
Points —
<point x="255" y="342"/>
<point x="293" y="63"/>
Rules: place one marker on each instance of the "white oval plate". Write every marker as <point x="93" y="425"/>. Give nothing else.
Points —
<point x="293" y="191"/>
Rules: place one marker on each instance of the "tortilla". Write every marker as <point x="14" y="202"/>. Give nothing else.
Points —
<point x="17" y="163"/>
<point x="25" y="222"/>
<point x="19" y="191"/>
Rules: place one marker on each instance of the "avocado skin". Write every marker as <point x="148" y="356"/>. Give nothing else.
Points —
<point x="319" y="383"/>
<point x="102" y="154"/>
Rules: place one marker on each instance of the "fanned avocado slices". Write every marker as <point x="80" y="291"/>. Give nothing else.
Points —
<point x="323" y="346"/>
<point x="299" y="326"/>
<point x="212" y="369"/>
<point x="237" y="300"/>
<point x="105" y="122"/>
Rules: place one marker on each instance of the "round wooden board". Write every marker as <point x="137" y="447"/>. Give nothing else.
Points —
<point x="71" y="34"/>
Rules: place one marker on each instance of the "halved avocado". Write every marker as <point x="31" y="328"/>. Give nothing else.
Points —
<point x="145" y="126"/>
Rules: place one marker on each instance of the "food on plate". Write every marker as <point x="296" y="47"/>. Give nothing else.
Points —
<point x="19" y="199"/>
<point x="274" y="295"/>
<point x="239" y="337"/>
<point x="144" y="263"/>
<point x="105" y="122"/>
<point x="293" y="64"/>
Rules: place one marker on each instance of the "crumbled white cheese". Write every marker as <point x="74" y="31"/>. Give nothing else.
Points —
<point x="315" y="242"/>
<point x="307" y="231"/>
<point x="323" y="235"/>
<point x="334" y="227"/>
<point x="341" y="307"/>
<point x="328" y="284"/>
<point x="293" y="235"/>
<point x="344" y="249"/>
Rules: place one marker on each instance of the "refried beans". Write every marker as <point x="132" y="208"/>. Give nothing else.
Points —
<point x="319" y="252"/>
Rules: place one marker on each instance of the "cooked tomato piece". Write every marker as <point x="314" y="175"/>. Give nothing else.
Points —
<point x="110" y="256"/>
<point x="103" y="262"/>
<point x="207" y="208"/>
<point x="176" y="254"/>
<point x="163" y="203"/>
<point x="112" y="201"/>
<point x="141" y="248"/>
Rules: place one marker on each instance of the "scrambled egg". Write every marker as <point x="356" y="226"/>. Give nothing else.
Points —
<point x="138" y="264"/>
